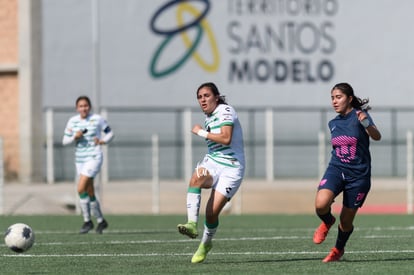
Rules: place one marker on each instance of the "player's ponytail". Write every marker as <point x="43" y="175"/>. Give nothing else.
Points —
<point x="357" y="103"/>
<point x="361" y="104"/>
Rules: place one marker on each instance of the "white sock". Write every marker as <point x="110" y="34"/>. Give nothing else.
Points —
<point x="208" y="234"/>
<point x="193" y="204"/>
<point x="96" y="210"/>
<point x="85" y="208"/>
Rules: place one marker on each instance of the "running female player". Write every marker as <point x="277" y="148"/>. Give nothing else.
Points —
<point x="349" y="170"/>
<point x="85" y="130"/>
<point x="221" y="170"/>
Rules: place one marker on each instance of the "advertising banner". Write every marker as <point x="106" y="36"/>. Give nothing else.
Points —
<point x="259" y="52"/>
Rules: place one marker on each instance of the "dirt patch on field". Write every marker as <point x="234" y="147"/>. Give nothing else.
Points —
<point x="290" y="196"/>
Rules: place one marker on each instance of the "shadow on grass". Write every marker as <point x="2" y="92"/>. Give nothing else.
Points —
<point x="271" y="260"/>
<point x="144" y="232"/>
<point x="317" y="259"/>
<point x="380" y="260"/>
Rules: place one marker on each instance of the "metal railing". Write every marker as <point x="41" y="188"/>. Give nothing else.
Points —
<point x="279" y="142"/>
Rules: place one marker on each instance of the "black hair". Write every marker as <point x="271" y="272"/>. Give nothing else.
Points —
<point x="357" y="103"/>
<point x="214" y="89"/>
<point x="84" y="97"/>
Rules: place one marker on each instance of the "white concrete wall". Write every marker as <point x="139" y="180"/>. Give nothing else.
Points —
<point x="367" y="43"/>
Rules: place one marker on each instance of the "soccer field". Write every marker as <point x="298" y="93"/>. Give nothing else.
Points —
<point x="247" y="244"/>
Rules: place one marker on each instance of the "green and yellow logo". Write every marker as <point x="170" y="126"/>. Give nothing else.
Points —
<point x="199" y="23"/>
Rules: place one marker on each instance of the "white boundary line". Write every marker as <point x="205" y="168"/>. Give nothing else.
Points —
<point x="115" y="242"/>
<point x="290" y="230"/>
<point x="157" y="241"/>
<point x="213" y="253"/>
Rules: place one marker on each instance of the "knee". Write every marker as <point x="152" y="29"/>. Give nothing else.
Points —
<point x="346" y="227"/>
<point x="323" y="201"/>
<point x="199" y="177"/>
<point x="346" y="224"/>
<point x="322" y="207"/>
<point x="81" y="189"/>
<point x="195" y="181"/>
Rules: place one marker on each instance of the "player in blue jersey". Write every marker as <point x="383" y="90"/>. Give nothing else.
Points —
<point x="349" y="170"/>
<point x="221" y="170"/>
<point x="85" y="130"/>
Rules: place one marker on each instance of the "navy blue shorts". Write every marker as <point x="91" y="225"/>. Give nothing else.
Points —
<point x="355" y="190"/>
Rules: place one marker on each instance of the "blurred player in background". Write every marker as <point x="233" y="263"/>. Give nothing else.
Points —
<point x="221" y="170"/>
<point x="85" y="130"/>
<point x="349" y="170"/>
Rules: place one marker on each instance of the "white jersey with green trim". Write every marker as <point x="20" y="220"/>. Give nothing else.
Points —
<point x="225" y="154"/>
<point x="93" y="125"/>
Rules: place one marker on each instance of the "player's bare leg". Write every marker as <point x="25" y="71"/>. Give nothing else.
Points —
<point x="214" y="206"/>
<point x="201" y="178"/>
<point x="323" y="201"/>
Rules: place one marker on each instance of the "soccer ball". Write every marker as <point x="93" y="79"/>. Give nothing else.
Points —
<point x="19" y="237"/>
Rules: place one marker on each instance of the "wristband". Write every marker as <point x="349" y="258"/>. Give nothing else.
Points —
<point x="202" y="133"/>
<point x="365" y="123"/>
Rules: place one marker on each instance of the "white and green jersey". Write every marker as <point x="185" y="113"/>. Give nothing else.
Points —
<point x="220" y="153"/>
<point x="92" y="126"/>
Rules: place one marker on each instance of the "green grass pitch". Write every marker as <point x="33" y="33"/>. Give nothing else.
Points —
<point x="246" y="244"/>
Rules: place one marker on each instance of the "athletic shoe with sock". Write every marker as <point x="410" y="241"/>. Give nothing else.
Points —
<point x="86" y="227"/>
<point x="101" y="226"/>
<point x="334" y="255"/>
<point x="322" y="231"/>
<point x="189" y="229"/>
<point x="201" y="253"/>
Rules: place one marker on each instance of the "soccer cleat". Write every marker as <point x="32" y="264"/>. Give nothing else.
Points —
<point x="322" y="231"/>
<point x="86" y="227"/>
<point x="189" y="229"/>
<point x="201" y="253"/>
<point x="101" y="226"/>
<point x="334" y="255"/>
